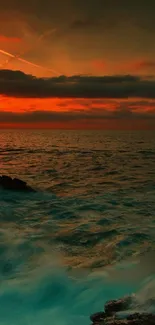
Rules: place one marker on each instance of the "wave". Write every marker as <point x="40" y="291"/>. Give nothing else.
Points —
<point x="36" y="287"/>
<point x="47" y="293"/>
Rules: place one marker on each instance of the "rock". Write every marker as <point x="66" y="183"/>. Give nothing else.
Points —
<point x="98" y="317"/>
<point x="111" y="314"/>
<point x="14" y="184"/>
<point x="134" y="319"/>
<point x="143" y="317"/>
<point x="115" y="306"/>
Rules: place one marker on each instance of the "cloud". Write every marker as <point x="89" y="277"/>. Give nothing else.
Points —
<point x="85" y="31"/>
<point x="35" y="117"/>
<point x="77" y="14"/>
<point x="84" y="24"/>
<point x="138" y="11"/>
<point x="5" y="39"/>
<point x="18" y="84"/>
<point x="6" y="75"/>
<point x="144" y="64"/>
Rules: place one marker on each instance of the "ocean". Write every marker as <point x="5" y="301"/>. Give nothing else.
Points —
<point x="87" y="235"/>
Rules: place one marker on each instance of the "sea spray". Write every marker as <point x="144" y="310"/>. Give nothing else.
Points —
<point x="44" y="291"/>
<point x="50" y="294"/>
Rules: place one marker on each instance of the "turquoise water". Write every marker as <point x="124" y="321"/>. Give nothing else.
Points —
<point x="78" y="241"/>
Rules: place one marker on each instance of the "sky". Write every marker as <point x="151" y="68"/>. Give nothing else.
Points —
<point x="77" y="64"/>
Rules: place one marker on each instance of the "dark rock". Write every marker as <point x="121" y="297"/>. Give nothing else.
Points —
<point x="115" y="306"/>
<point x="134" y="319"/>
<point x="14" y="184"/>
<point x="111" y="315"/>
<point x="142" y="316"/>
<point x="98" y="317"/>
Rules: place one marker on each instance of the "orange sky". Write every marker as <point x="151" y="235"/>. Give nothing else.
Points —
<point x="68" y="38"/>
<point x="27" y="105"/>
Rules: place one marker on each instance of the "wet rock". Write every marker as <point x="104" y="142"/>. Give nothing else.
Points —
<point x="145" y="317"/>
<point x="98" y="317"/>
<point x="14" y="184"/>
<point x="115" y="306"/>
<point x="135" y="319"/>
<point x="111" y="314"/>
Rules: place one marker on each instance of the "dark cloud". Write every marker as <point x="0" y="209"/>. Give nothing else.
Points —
<point x="48" y="117"/>
<point x="145" y="64"/>
<point x="137" y="10"/>
<point x="18" y="84"/>
<point x="14" y="75"/>
<point x="84" y="24"/>
<point x="81" y="14"/>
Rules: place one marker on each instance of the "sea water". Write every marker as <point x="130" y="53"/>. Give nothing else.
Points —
<point x="87" y="235"/>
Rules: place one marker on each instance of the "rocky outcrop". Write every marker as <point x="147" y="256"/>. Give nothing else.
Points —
<point x="114" y="306"/>
<point x="14" y="184"/>
<point x="111" y="316"/>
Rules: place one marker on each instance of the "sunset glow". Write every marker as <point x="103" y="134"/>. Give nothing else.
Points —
<point x="58" y="45"/>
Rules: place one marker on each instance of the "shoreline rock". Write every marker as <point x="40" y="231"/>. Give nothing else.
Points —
<point x="114" y="306"/>
<point x="110" y="315"/>
<point x="14" y="184"/>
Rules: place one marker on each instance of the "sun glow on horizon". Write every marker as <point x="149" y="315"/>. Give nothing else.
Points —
<point x="69" y="113"/>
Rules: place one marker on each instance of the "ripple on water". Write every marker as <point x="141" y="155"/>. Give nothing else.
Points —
<point x="94" y="209"/>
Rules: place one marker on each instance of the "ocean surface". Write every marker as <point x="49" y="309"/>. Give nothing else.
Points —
<point x="87" y="235"/>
